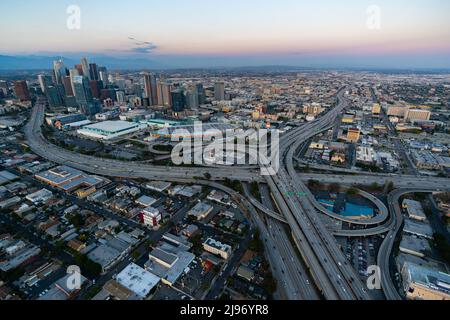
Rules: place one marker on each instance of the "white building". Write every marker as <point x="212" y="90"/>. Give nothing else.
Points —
<point x="200" y="210"/>
<point x="217" y="248"/>
<point x="414" y="210"/>
<point x="365" y="154"/>
<point x="108" y="130"/>
<point x="40" y="196"/>
<point x="151" y="217"/>
<point x="138" y="280"/>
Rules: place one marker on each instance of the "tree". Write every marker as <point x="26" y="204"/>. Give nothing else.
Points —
<point x="135" y="255"/>
<point x="375" y="186"/>
<point x="270" y="284"/>
<point x="256" y="243"/>
<point x="352" y="191"/>
<point x="390" y="186"/>
<point x="334" y="187"/>
<point x="254" y="189"/>
<point x="87" y="266"/>
<point x="314" y="184"/>
<point x="442" y="246"/>
<point x="77" y="220"/>
<point x="207" y="176"/>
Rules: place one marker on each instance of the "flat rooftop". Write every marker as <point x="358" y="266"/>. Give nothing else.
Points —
<point x="429" y="278"/>
<point x="137" y="279"/>
<point x="418" y="228"/>
<point x="111" y="126"/>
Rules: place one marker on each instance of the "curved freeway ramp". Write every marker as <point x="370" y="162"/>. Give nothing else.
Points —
<point x="385" y="251"/>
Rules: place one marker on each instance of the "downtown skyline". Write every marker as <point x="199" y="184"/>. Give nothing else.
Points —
<point x="412" y="34"/>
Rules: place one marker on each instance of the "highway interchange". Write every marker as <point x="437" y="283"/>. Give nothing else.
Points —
<point x="324" y="271"/>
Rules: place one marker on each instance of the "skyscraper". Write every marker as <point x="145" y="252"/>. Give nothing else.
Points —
<point x="4" y="87"/>
<point x="79" y="67"/>
<point x="154" y="90"/>
<point x="120" y="96"/>
<point x="85" y="67"/>
<point x="82" y="92"/>
<point x="219" y="91"/>
<point x="164" y="97"/>
<point x="96" y="87"/>
<point x="21" y="90"/>
<point x="150" y="88"/>
<point x="192" y="98"/>
<point x="44" y="81"/>
<point x="54" y="97"/>
<point x="73" y="73"/>
<point x="201" y="93"/>
<point x="103" y="75"/>
<point x="93" y="71"/>
<point x="59" y="70"/>
<point x="178" y="100"/>
<point x="67" y="83"/>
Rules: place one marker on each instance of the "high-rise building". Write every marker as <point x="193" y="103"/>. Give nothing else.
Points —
<point x="201" y="93"/>
<point x="73" y="73"/>
<point x="120" y="96"/>
<point x="21" y="90"/>
<point x="44" y="81"/>
<point x="150" y="88"/>
<point x="163" y="93"/>
<point x="192" y="100"/>
<point x="4" y="87"/>
<point x="93" y="71"/>
<point x="219" y="91"/>
<point x="178" y="100"/>
<point x="85" y="67"/>
<point x="103" y="75"/>
<point x="107" y="93"/>
<point x="67" y="83"/>
<point x="154" y="90"/>
<point x="79" y="68"/>
<point x="59" y="70"/>
<point x="54" y="97"/>
<point x="96" y="86"/>
<point x="83" y="92"/>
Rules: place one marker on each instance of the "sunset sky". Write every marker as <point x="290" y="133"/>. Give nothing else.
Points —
<point x="234" y="32"/>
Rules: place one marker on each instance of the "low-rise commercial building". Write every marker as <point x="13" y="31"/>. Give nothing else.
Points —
<point x="217" y="248"/>
<point x="108" y="130"/>
<point x="68" y="179"/>
<point x="200" y="211"/>
<point x="415" y="246"/>
<point x="414" y="209"/>
<point x="137" y="280"/>
<point x="40" y="196"/>
<point x="419" y="229"/>
<point x="151" y="217"/>
<point x="425" y="284"/>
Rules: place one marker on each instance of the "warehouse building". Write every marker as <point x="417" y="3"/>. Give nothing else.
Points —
<point x="108" y="130"/>
<point x="425" y="284"/>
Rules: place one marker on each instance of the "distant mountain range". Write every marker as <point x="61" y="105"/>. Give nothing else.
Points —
<point x="35" y="62"/>
<point x="278" y="63"/>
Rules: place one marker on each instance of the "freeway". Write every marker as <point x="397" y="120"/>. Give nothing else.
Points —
<point x="403" y="181"/>
<point x="325" y="261"/>
<point x="384" y="254"/>
<point x="108" y="167"/>
<point x="329" y="268"/>
<point x="293" y="275"/>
